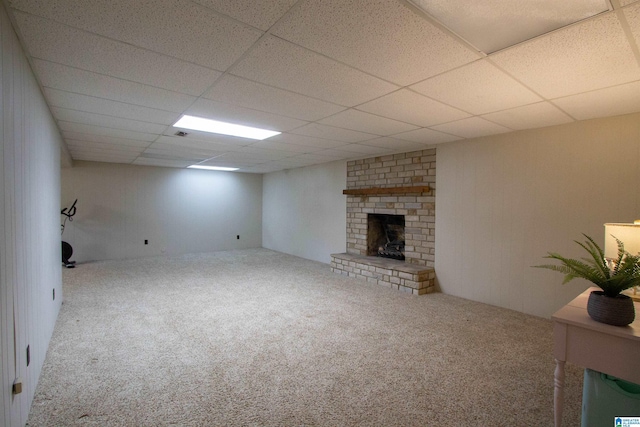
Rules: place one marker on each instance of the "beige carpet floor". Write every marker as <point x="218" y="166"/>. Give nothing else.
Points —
<point x="259" y="338"/>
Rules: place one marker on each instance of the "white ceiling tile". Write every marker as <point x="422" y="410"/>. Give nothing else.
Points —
<point x="319" y="143"/>
<point x="105" y="131"/>
<point x="296" y="162"/>
<point x="384" y="38"/>
<point x="76" y="116"/>
<point x="365" y="149"/>
<point x="253" y="155"/>
<point x="410" y="107"/>
<point x="93" y="157"/>
<point x="472" y="127"/>
<point x="478" y="88"/>
<point x="530" y="116"/>
<point x="78" y="144"/>
<point x="269" y="144"/>
<point x="289" y="163"/>
<point x="426" y="136"/>
<point x="197" y="34"/>
<point x="338" y="154"/>
<point x="164" y="148"/>
<point x="126" y="156"/>
<point x="632" y="15"/>
<point x="259" y="13"/>
<point x="104" y="139"/>
<point x="65" y="45"/>
<point x="145" y="161"/>
<point x="333" y="133"/>
<point x="320" y="157"/>
<point x="73" y="80"/>
<point x="152" y="153"/>
<point x="395" y="145"/>
<point x="197" y="144"/>
<point x="90" y="104"/>
<point x="365" y="122"/>
<point x="590" y="55"/>
<point x="246" y="93"/>
<point x="261" y="152"/>
<point x="479" y="24"/>
<point x="612" y="101"/>
<point x="186" y="156"/>
<point x="83" y="149"/>
<point x="276" y="62"/>
<point x="242" y="116"/>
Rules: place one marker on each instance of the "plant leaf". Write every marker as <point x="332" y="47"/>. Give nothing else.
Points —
<point x="625" y="274"/>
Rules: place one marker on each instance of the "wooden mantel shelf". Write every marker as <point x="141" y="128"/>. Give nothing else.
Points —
<point x="386" y="190"/>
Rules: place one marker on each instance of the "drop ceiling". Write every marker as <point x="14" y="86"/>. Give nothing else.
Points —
<point x="341" y="79"/>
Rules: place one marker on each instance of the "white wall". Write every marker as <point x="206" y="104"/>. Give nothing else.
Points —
<point x="177" y="210"/>
<point x="29" y="227"/>
<point x="503" y="202"/>
<point x="304" y="212"/>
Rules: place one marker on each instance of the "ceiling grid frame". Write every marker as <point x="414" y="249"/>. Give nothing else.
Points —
<point x="96" y="129"/>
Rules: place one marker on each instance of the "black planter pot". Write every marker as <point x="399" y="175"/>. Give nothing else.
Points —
<point x="617" y="311"/>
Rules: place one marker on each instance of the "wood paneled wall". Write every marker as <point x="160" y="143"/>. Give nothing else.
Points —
<point x="505" y="201"/>
<point x="29" y="228"/>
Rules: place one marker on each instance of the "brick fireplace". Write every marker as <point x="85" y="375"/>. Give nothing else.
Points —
<point x="400" y="185"/>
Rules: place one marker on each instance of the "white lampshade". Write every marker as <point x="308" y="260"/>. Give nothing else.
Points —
<point x="629" y="234"/>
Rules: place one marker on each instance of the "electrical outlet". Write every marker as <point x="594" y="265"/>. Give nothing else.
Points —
<point x="146" y="242"/>
<point x="17" y="386"/>
<point x="238" y="237"/>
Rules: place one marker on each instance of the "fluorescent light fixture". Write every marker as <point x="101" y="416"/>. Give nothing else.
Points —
<point x="212" y="168"/>
<point x="214" y="126"/>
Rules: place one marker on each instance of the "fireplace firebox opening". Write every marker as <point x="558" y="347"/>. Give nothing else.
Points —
<point x="385" y="236"/>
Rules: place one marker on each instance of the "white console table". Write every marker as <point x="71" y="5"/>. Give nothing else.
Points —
<point x="578" y="339"/>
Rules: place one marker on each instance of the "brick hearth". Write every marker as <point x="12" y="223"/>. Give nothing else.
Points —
<point x="398" y="275"/>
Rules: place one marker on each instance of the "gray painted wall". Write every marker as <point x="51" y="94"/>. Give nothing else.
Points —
<point x="29" y="228"/>
<point x="177" y="210"/>
<point x="304" y="212"/>
<point x="503" y="202"/>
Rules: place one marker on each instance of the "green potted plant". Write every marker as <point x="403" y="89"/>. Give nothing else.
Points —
<point x="612" y="276"/>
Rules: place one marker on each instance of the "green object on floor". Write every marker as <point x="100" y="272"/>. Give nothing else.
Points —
<point x="605" y="397"/>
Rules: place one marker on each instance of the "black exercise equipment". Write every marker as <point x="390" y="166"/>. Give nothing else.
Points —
<point x="67" y="250"/>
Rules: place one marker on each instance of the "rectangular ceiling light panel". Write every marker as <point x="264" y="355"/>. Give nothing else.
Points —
<point x="492" y="25"/>
<point x="212" y="168"/>
<point x="223" y="128"/>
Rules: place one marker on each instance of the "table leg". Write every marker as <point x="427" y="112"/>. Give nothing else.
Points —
<point x="558" y="393"/>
